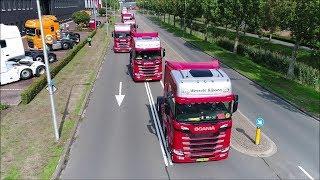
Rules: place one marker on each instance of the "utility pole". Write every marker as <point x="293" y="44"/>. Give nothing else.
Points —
<point x="107" y="20"/>
<point x="49" y="81"/>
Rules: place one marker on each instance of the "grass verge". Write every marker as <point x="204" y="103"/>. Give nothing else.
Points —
<point x="304" y="97"/>
<point x="3" y="106"/>
<point x="28" y="147"/>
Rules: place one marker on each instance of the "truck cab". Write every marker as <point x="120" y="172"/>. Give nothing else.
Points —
<point x="127" y="16"/>
<point x="14" y="64"/>
<point x="133" y="25"/>
<point x="53" y="37"/>
<point x="146" y="57"/>
<point x="122" y="37"/>
<point x="196" y="111"/>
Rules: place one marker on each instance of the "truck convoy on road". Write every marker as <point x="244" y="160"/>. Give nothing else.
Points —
<point x="146" y="57"/>
<point x="122" y="37"/>
<point x="15" y="65"/>
<point x="55" y="40"/>
<point x="196" y="111"/>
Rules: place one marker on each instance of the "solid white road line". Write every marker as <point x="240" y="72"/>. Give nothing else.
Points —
<point x="156" y="125"/>
<point x="305" y="172"/>
<point x="161" y="84"/>
<point x="11" y="89"/>
<point x="159" y="124"/>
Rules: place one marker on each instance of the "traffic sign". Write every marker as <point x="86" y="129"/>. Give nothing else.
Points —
<point x="259" y="122"/>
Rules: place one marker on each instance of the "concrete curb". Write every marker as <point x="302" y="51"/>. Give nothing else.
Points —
<point x="270" y="91"/>
<point x="64" y="157"/>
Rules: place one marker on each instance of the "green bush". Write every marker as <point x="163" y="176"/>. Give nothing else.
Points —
<point x="28" y="94"/>
<point x="81" y="17"/>
<point x="3" y="106"/>
<point x="303" y="73"/>
<point x="102" y="11"/>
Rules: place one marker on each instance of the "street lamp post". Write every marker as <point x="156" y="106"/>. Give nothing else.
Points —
<point x="49" y="81"/>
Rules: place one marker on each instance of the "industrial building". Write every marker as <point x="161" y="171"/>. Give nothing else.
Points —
<point x="16" y="12"/>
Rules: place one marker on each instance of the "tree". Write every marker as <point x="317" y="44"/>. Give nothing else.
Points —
<point x="270" y="15"/>
<point x="303" y="23"/>
<point x="193" y="10"/>
<point x="81" y="17"/>
<point x="241" y="13"/>
<point x="210" y="12"/>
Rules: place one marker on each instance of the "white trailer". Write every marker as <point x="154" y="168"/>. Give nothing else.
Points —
<point x="15" y="65"/>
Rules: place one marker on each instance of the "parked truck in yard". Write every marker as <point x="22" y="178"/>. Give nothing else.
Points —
<point x="146" y="57"/>
<point x="196" y="111"/>
<point x="15" y="65"/>
<point x="55" y="40"/>
<point x="122" y="37"/>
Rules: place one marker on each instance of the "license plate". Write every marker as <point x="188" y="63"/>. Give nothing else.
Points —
<point x="148" y="79"/>
<point x="202" y="159"/>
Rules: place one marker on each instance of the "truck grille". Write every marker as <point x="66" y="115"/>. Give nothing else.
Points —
<point x="148" y="71"/>
<point x="30" y="44"/>
<point x="203" y="145"/>
<point x="123" y="45"/>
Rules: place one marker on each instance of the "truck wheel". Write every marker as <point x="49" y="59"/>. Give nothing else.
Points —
<point x="39" y="58"/>
<point x="52" y="58"/>
<point x="26" y="74"/>
<point x="159" y="102"/>
<point x="65" y="46"/>
<point x="77" y="38"/>
<point x="40" y="70"/>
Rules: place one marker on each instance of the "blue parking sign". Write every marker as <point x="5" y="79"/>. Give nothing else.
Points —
<point x="259" y="122"/>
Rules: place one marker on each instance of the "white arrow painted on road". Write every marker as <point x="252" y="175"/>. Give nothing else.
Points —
<point x="120" y="97"/>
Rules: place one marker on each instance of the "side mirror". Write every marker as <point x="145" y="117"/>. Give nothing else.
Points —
<point x="166" y="109"/>
<point x="163" y="52"/>
<point x="235" y="103"/>
<point x="112" y="34"/>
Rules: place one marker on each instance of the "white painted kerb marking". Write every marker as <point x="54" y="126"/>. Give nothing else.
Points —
<point x="305" y="172"/>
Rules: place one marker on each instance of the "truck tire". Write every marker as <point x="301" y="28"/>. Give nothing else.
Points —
<point x="52" y="58"/>
<point x="26" y="74"/>
<point x="77" y="38"/>
<point x="159" y="102"/>
<point x="40" y="70"/>
<point x="65" y="46"/>
<point x="39" y="58"/>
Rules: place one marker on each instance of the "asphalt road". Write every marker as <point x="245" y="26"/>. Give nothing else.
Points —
<point x="121" y="142"/>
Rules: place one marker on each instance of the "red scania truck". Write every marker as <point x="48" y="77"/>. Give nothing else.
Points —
<point x="122" y="37"/>
<point x="127" y="16"/>
<point x="196" y="111"/>
<point x="146" y="57"/>
<point x="133" y="25"/>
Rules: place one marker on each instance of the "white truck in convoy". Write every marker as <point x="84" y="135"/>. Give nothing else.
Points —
<point x="15" y="65"/>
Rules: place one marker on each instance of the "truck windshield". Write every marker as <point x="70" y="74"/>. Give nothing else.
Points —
<point x="122" y="34"/>
<point x="203" y="112"/>
<point x="148" y="55"/>
<point x="30" y="31"/>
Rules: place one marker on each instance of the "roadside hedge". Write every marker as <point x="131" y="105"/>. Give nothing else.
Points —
<point x="32" y="90"/>
<point x="303" y="73"/>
